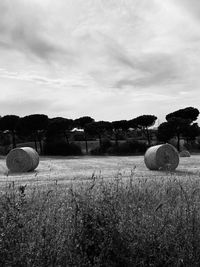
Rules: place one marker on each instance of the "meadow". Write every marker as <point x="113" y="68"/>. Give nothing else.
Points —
<point x="100" y="211"/>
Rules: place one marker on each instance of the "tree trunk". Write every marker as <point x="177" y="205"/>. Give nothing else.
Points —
<point x="116" y="139"/>
<point x="66" y="137"/>
<point x="35" y="141"/>
<point x="13" y="139"/>
<point x="148" y="136"/>
<point x="100" y="141"/>
<point x="178" y="142"/>
<point x="40" y="143"/>
<point x="146" y="133"/>
<point x="86" y="143"/>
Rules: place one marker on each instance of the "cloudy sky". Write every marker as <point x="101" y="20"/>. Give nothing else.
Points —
<point x="109" y="59"/>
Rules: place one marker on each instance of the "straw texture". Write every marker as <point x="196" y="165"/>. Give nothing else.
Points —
<point x="162" y="157"/>
<point x="23" y="159"/>
<point x="184" y="153"/>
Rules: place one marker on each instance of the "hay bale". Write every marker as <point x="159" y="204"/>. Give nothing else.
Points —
<point x="184" y="153"/>
<point x="162" y="157"/>
<point x="23" y="159"/>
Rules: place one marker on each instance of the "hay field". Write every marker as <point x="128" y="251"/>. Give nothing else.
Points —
<point x="132" y="217"/>
<point x="67" y="170"/>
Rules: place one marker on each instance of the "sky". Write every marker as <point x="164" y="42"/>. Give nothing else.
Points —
<point x="108" y="59"/>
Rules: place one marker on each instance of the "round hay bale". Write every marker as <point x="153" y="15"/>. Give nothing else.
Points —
<point x="184" y="153"/>
<point x="162" y="157"/>
<point x="23" y="159"/>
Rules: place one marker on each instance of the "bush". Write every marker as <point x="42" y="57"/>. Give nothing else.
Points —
<point x="106" y="144"/>
<point x="79" y="136"/>
<point x="128" y="148"/>
<point x="61" y="149"/>
<point x="4" y="150"/>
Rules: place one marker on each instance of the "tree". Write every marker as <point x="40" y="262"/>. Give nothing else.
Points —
<point x="165" y="132"/>
<point x="81" y="123"/>
<point x="98" y="128"/>
<point x="35" y="124"/>
<point x="10" y="123"/>
<point x="174" y="127"/>
<point x="191" y="114"/>
<point x="59" y="126"/>
<point x="119" y="127"/>
<point x="144" y="122"/>
<point x="191" y="132"/>
<point x="180" y="122"/>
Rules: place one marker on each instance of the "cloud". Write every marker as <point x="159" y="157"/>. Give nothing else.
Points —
<point x="23" y="29"/>
<point x="21" y="107"/>
<point x="191" y="6"/>
<point x="155" y="69"/>
<point x="74" y="52"/>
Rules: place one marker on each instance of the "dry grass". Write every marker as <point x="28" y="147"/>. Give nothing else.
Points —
<point x="124" y="215"/>
<point x="137" y="221"/>
<point x="67" y="170"/>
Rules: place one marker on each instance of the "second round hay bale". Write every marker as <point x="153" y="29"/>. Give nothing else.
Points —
<point x="184" y="153"/>
<point x="23" y="159"/>
<point x="162" y="157"/>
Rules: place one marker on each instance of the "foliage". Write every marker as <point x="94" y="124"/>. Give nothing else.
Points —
<point x="128" y="148"/>
<point x="38" y="128"/>
<point x="122" y="125"/>
<point x="59" y="126"/>
<point x="35" y="125"/>
<point x="171" y="128"/>
<point x="82" y="122"/>
<point x="78" y="136"/>
<point x="10" y="123"/>
<point x="191" y="132"/>
<point x="34" y="122"/>
<point x="98" y="128"/>
<point x="60" y="148"/>
<point x="179" y="123"/>
<point x="144" y="122"/>
<point x="103" y="149"/>
<point x="119" y="127"/>
<point x="188" y="113"/>
<point x="123" y="148"/>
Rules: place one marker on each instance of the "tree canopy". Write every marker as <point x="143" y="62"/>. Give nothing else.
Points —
<point x="34" y="124"/>
<point x="98" y="128"/>
<point x="191" y="114"/>
<point x="82" y="121"/>
<point x="179" y="123"/>
<point x="59" y="125"/>
<point x="143" y="122"/>
<point x="10" y="123"/>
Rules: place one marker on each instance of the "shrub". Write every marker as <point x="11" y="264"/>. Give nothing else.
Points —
<point x="106" y="144"/>
<point x="128" y="148"/>
<point x="79" y="136"/>
<point x="61" y="149"/>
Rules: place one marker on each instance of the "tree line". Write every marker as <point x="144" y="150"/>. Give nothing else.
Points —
<point x="39" y="127"/>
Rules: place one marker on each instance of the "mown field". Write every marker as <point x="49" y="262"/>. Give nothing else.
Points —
<point x="100" y="211"/>
<point x="77" y="169"/>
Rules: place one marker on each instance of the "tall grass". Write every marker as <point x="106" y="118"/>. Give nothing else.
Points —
<point x="137" y="222"/>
